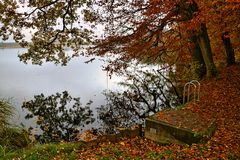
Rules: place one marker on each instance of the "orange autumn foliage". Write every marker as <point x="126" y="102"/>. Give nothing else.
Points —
<point x="157" y="31"/>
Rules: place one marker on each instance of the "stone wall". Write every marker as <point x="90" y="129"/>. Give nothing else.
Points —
<point x="166" y="133"/>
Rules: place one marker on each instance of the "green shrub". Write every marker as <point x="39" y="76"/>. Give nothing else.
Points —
<point x="6" y="111"/>
<point x="194" y="71"/>
<point x="13" y="137"/>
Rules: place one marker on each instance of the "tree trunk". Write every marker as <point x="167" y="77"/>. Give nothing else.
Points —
<point x="204" y="44"/>
<point x="228" y="48"/>
<point x="197" y="57"/>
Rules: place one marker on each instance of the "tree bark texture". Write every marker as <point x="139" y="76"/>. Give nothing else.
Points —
<point x="198" y="58"/>
<point x="205" y="46"/>
<point x="228" y="48"/>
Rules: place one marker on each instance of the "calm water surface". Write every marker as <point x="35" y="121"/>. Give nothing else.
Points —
<point x="20" y="82"/>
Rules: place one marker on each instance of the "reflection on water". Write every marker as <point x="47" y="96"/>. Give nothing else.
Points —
<point x="21" y="82"/>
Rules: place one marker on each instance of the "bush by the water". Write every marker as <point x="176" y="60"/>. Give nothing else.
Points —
<point x="59" y="116"/>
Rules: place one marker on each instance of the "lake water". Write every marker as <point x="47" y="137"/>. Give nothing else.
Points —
<point x="20" y="82"/>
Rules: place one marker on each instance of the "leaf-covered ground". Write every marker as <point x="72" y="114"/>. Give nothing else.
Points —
<point x="219" y="99"/>
<point x="184" y="118"/>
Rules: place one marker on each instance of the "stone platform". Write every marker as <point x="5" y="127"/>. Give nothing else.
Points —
<point x="179" y="126"/>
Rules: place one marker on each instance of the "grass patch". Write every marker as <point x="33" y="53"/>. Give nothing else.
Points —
<point x="154" y="155"/>
<point x="179" y="107"/>
<point x="45" y="152"/>
<point x="160" y="155"/>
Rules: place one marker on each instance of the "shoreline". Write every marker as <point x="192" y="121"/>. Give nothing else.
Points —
<point x="9" y="45"/>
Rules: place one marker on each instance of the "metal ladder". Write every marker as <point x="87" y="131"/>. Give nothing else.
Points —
<point x="196" y="86"/>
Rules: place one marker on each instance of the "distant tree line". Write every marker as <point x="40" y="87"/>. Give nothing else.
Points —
<point x="9" y="45"/>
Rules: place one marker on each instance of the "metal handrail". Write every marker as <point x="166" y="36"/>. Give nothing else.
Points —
<point x="199" y="86"/>
<point x="187" y="86"/>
